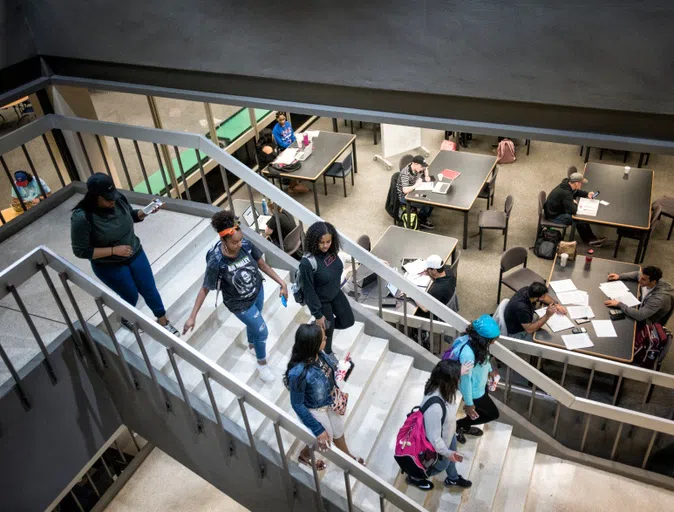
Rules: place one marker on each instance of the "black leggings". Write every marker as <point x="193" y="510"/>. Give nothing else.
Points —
<point x="487" y="410"/>
<point x="338" y="314"/>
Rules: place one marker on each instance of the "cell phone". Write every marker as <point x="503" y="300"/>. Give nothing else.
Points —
<point x="156" y="203"/>
<point x="284" y="301"/>
<point x="581" y="321"/>
<point x="579" y="330"/>
<point x="459" y="457"/>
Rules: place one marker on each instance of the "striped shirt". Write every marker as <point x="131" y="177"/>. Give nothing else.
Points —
<point x="406" y="179"/>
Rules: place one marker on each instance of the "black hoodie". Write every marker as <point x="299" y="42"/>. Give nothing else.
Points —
<point x="561" y="199"/>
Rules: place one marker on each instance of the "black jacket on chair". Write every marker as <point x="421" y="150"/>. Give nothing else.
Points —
<point x="392" y="202"/>
<point x="561" y="200"/>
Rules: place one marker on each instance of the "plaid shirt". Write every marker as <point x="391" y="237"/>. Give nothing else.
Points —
<point x="406" y="179"/>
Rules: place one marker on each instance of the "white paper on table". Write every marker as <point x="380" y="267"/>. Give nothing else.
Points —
<point x="605" y="203"/>
<point x="426" y="185"/>
<point x="580" y="312"/>
<point x="585" y="301"/>
<point x="588" y="207"/>
<point x="420" y="280"/>
<point x="415" y="267"/>
<point x="575" y="341"/>
<point x="628" y="299"/>
<point x="313" y="133"/>
<point x="577" y="297"/>
<point x="613" y="289"/>
<point x="556" y="322"/>
<point x="564" y="285"/>
<point x="604" y="329"/>
<point x="287" y="156"/>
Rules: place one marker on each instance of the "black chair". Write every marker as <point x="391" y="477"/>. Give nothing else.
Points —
<point x="364" y="242"/>
<point x="492" y="219"/>
<point x="666" y="205"/>
<point x="405" y="160"/>
<point x="339" y="170"/>
<point x="519" y="278"/>
<point x="642" y="235"/>
<point x="542" y="222"/>
<point x="293" y="241"/>
<point x="489" y="189"/>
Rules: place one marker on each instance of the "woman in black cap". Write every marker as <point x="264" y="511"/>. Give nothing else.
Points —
<point x="101" y="230"/>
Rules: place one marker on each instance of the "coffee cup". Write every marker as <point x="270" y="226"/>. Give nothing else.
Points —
<point x="627" y="170"/>
<point x="563" y="259"/>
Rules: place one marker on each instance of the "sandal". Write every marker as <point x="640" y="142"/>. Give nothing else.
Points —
<point x="320" y="465"/>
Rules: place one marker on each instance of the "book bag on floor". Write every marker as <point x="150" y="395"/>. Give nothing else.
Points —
<point x="414" y="453"/>
<point x="505" y="152"/>
<point x="649" y="343"/>
<point x="546" y="244"/>
<point x="296" y="287"/>
<point x="409" y="218"/>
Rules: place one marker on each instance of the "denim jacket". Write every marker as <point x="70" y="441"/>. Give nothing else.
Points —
<point x="310" y="391"/>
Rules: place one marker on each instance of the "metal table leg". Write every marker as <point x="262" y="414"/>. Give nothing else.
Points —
<point x="641" y="160"/>
<point x="587" y="153"/>
<point x="318" y="212"/>
<point x="335" y="128"/>
<point x="465" y="229"/>
<point x="353" y="153"/>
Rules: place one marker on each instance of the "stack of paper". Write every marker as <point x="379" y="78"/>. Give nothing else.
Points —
<point x="580" y="312"/>
<point x="604" y="329"/>
<point x="576" y="341"/>
<point x="556" y="322"/>
<point x="426" y="185"/>
<point x="287" y="156"/>
<point x="564" y="285"/>
<point x="415" y="273"/>
<point x="587" y="207"/>
<point x="614" y="289"/>
<point x="449" y="174"/>
<point x="575" y="297"/>
<point x="415" y="267"/>
<point x="421" y="280"/>
<point x="628" y="299"/>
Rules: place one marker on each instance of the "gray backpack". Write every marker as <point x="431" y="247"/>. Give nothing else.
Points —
<point x="296" y="287"/>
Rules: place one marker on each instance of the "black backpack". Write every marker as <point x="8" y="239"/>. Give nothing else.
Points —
<point x="546" y="243"/>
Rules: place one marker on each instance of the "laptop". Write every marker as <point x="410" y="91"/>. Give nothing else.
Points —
<point x="305" y="153"/>
<point x="249" y="218"/>
<point x="442" y="187"/>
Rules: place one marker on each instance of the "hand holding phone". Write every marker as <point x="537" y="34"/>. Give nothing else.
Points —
<point x="456" y="457"/>
<point x="152" y="207"/>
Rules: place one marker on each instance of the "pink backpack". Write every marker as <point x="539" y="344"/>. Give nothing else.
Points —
<point x="506" y="152"/>
<point x="448" y="145"/>
<point x="413" y="452"/>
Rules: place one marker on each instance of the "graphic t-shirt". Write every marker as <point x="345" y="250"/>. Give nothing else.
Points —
<point x="283" y="135"/>
<point x="32" y="190"/>
<point x="239" y="278"/>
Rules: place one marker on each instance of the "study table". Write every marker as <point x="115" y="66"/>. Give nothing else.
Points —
<point x="327" y="148"/>
<point x="475" y="170"/>
<point x="620" y="348"/>
<point x="629" y="197"/>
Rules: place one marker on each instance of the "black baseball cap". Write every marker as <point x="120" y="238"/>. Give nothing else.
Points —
<point x="102" y="185"/>
<point x="420" y="160"/>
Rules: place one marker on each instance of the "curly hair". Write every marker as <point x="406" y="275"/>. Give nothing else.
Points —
<point x="223" y="219"/>
<point x="314" y="235"/>
<point x="478" y="344"/>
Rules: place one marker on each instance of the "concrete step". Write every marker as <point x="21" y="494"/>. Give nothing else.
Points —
<point x="366" y="423"/>
<point x="342" y="342"/>
<point x="238" y="360"/>
<point x="486" y="471"/>
<point x="511" y="495"/>
<point x="381" y="460"/>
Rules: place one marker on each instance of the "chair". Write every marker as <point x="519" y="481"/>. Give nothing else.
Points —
<point x="519" y="278"/>
<point x="492" y="219"/>
<point x="643" y="236"/>
<point x="453" y="268"/>
<point x="405" y="160"/>
<point x="542" y="221"/>
<point x="340" y="170"/>
<point x="293" y="241"/>
<point x="392" y="205"/>
<point x="489" y="189"/>
<point x="364" y="242"/>
<point x="666" y="204"/>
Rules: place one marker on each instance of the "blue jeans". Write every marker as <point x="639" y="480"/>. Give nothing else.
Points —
<point x="424" y="210"/>
<point x="445" y="464"/>
<point x="584" y="229"/>
<point x="256" y="329"/>
<point x="130" y="278"/>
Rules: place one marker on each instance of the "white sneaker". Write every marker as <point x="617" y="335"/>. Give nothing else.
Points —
<point x="266" y="373"/>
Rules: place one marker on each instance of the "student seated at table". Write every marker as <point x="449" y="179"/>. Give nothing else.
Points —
<point x="562" y="205"/>
<point x="657" y="296"/>
<point x="409" y="181"/>
<point x="29" y="190"/>
<point x="283" y="132"/>
<point x="267" y="151"/>
<point x="286" y="220"/>
<point x="443" y="285"/>
<point x="520" y="311"/>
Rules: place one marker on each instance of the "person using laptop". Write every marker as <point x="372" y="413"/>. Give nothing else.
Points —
<point x="286" y="220"/>
<point x="443" y="285"/>
<point x="408" y="181"/>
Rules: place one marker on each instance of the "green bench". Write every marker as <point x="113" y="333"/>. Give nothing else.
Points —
<point x="227" y="131"/>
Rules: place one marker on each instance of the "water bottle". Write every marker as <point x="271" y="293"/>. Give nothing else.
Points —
<point x="306" y="139"/>
<point x="588" y="258"/>
<point x="265" y="210"/>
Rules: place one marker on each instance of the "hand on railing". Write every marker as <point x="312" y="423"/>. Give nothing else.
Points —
<point x="324" y="442"/>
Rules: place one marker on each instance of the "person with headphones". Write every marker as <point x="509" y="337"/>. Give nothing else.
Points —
<point x="30" y="190"/>
<point x="233" y="267"/>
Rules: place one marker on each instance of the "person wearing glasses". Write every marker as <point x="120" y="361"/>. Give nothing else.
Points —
<point x="233" y="267"/>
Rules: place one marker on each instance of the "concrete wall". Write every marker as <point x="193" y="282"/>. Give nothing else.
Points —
<point x="591" y="53"/>
<point x="16" y="41"/>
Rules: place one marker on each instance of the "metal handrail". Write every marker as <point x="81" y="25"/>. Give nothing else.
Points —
<point x="42" y="256"/>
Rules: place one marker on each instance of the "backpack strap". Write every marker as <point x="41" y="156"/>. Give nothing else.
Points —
<point x="435" y="400"/>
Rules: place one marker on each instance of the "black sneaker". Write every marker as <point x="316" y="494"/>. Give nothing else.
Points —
<point x="460" y="437"/>
<point x="599" y="241"/>
<point x="473" y="431"/>
<point x="128" y="325"/>
<point x="426" y="224"/>
<point x="459" y="482"/>
<point x="423" y="484"/>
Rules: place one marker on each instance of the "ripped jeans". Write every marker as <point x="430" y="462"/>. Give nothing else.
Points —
<point x="256" y="329"/>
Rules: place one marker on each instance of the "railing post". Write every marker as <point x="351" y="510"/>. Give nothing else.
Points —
<point x="123" y="161"/>
<point x="225" y="181"/>
<point x="317" y="481"/>
<point x="405" y="313"/>
<point x="161" y="169"/>
<point x="19" y="388"/>
<point x="105" y="159"/>
<point x="53" y="160"/>
<point x="86" y="153"/>
<point x="182" y="175"/>
<point x="252" y="205"/>
<point x="431" y="339"/>
<point x="142" y="167"/>
<point x="251" y="438"/>
<point x="290" y="490"/>
<point x="379" y="297"/>
<point x="650" y="448"/>
<point x="34" y="171"/>
<point x="533" y="390"/>
<point x="31" y="325"/>
<point x="347" y="485"/>
<point x="181" y="384"/>
<point x="354" y="278"/>
<point x="150" y="368"/>
<point x="559" y="405"/>
<point x="616" y="441"/>
<point x="506" y="389"/>
<point x="278" y="228"/>
<point x="125" y="365"/>
<point x="211" y="396"/>
<point x="203" y="177"/>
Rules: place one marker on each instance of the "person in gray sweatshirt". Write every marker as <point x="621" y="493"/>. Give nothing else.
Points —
<point x="440" y="423"/>
<point x="657" y="296"/>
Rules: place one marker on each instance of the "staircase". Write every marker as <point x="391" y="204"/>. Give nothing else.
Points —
<point x="383" y="388"/>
